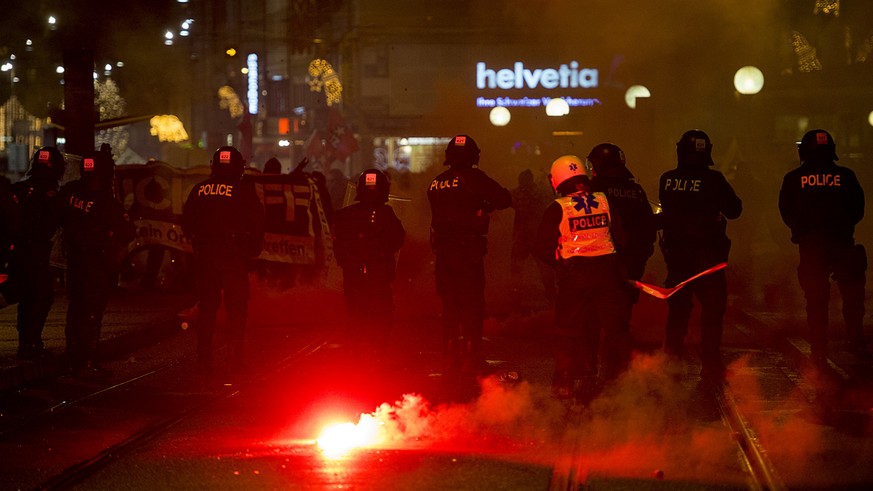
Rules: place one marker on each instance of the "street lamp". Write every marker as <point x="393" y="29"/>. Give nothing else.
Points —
<point x="749" y="80"/>
<point x="870" y="118"/>
<point x="557" y="107"/>
<point x="635" y="92"/>
<point x="499" y="116"/>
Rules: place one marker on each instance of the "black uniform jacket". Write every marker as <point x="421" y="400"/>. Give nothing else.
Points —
<point x="224" y="214"/>
<point x="821" y="199"/>
<point x="367" y="235"/>
<point x="461" y="199"/>
<point x="628" y="200"/>
<point x="40" y="210"/>
<point x="94" y="221"/>
<point x="695" y="201"/>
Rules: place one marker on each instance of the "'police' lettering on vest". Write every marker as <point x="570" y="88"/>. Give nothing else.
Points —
<point x="692" y="185"/>
<point x="599" y="220"/>
<point x="623" y="193"/>
<point x="215" y="190"/>
<point x="827" y="180"/>
<point x="81" y="204"/>
<point x="443" y="184"/>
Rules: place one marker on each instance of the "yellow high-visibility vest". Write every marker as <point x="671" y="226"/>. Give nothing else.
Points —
<point x="585" y="226"/>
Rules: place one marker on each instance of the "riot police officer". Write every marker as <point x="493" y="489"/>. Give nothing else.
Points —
<point x="367" y="236"/>
<point x="461" y="200"/>
<point x="37" y="196"/>
<point x="577" y="236"/>
<point x="10" y="227"/>
<point x="696" y="202"/>
<point x="627" y="199"/>
<point x="224" y="219"/>
<point x="821" y="202"/>
<point x="96" y="231"/>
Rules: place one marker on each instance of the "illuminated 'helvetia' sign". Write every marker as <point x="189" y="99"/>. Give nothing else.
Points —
<point x="567" y="76"/>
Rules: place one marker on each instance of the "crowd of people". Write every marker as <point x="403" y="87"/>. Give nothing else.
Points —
<point x="591" y="238"/>
<point x="599" y="231"/>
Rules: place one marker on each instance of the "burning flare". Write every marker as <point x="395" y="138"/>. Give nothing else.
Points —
<point x="337" y="440"/>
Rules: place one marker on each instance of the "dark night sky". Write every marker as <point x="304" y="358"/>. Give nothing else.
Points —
<point x="131" y="32"/>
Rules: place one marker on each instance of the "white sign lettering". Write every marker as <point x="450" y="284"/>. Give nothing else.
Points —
<point x="252" y="79"/>
<point x="534" y="102"/>
<point x="567" y="76"/>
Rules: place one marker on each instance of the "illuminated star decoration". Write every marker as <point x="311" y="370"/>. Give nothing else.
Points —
<point x="228" y="99"/>
<point x="827" y="7"/>
<point x="168" y="128"/>
<point x="807" y="58"/>
<point x="325" y="77"/>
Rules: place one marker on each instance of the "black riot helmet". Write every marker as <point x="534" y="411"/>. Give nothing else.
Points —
<point x="817" y="146"/>
<point x="98" y="168"/>
<point x="694" y="148"/>
<point x="372" y="187"/>
<point x="608" y="160"/>
<point x="462" y="150"/>
<point x="228" y="162"/>
<point x="47" y="163"/>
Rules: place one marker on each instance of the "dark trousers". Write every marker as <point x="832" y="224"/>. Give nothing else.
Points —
<point x="32" y="271"/>
<point x="460" y="283"/>
<point x="90" y="281"/>
<point x="711" y="293"/>
<point x="819" y="260"/>
<point x="218" y="272"/>
<point x="591" y="299"/>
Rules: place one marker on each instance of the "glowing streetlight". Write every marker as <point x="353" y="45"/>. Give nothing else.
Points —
<point x="52" y="20"/>
<point x="635" y="92"/>
<point x="499" y="116"/>
<point x="749" y="80"/>
<point x="557" y="107"/>
<point x="168" y="38"/>
<point x="870" y="118"/>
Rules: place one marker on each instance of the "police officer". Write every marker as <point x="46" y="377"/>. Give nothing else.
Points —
<point x="224" y="219"/>
<point x="96" y="234"/>
<point x="461" y="200"/>
<point x="10" y="227"/>
<point x="367" y="236"/>
<point x="696" y="202"/>
<point x="577" y="238"/>
<point x="627" y="199"/>
<point x="821" y="202"/>
<point x="37" y="196"/>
